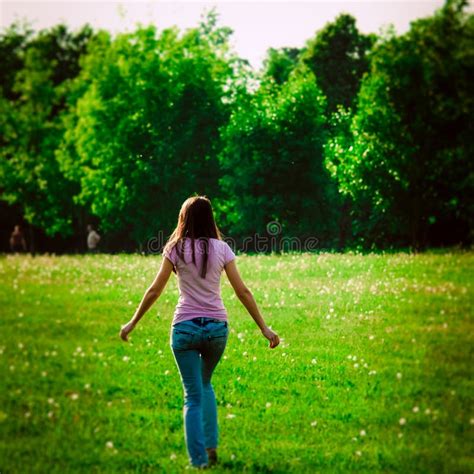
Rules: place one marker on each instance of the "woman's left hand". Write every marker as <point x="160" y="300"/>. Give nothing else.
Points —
<point x="126" y="329"/>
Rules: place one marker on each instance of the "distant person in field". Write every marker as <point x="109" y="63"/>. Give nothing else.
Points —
<point x="196" y="253"/>
<point x="17" y="240"/>
<point x="93" y="239"/>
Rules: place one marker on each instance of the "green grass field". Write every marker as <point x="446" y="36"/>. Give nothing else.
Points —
<point x="373" y="374"/>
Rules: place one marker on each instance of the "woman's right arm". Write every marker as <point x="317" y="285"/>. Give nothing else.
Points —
<point x="247" y="299"/>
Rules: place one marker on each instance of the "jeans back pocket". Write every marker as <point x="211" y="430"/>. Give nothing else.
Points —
<point x="181" y="338"/>
<point x="218" y="330"/>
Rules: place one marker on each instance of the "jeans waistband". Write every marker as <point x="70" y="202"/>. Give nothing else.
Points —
<point x="203" y="320"/>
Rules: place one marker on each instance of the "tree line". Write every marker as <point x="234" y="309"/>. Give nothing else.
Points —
<point x="362" y="141"/>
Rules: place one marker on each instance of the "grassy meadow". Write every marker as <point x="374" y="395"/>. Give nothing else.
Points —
<point x="373" y="373"/>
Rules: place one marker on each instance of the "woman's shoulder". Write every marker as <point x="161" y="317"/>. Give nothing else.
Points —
<point x="220" y="242"/>
<point x="226" y="250"/>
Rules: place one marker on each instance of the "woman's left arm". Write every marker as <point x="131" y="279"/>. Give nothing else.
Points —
<point x="150" y="296"/>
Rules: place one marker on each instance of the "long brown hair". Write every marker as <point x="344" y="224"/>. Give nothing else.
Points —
<point x="196" y="221"/>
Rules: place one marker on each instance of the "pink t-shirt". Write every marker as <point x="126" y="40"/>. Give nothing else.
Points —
<point x="200" y="296"/>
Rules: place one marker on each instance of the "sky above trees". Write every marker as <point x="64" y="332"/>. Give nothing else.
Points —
<point x="257" y="26"/>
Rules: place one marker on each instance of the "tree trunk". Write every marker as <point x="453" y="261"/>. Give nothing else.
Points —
<point x="31" y="232"/>
<point x="81" y="232"/>
<point x="79" y="226"/>
<point x="344" y="222"/>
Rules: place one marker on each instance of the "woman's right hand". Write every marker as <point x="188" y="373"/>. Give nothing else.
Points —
<point x="271" y="336"/>
<point x="126" y="329"/>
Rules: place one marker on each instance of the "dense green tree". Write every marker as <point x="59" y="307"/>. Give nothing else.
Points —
<point x="338" y="57"/>
<point x="272" y="162"/>
<point x="13" y="41"/>
<point x="143" y="133"/>
<point x="31" y="128"/>
<point x="411" y="146"/>
<point x="279" y="63"/>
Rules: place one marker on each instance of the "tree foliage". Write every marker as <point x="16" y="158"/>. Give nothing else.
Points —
<point x="338" y="57"/>
<point x="279" y="63"/>
<point x="410" y="145"/>
<point x="144" y="133"/>
<point x="12" y="44"/>
<point x="353" y="139"/>
<point x="33" y="100"/>
<point x="272" y="161"/>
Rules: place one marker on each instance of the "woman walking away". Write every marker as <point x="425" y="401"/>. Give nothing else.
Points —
<point x="197" y="254"/>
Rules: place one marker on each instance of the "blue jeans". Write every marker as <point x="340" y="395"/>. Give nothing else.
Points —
<point x="197" y="346"/>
